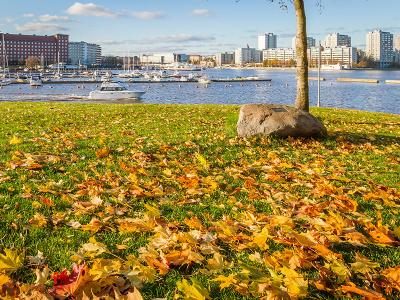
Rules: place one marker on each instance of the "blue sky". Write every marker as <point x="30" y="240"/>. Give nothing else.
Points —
<point x="192" y="26"/>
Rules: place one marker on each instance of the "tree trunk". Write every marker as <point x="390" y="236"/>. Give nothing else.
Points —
<point x="302" y="100"/>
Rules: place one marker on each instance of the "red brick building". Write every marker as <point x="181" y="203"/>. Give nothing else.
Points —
<point x="18" y="47"/>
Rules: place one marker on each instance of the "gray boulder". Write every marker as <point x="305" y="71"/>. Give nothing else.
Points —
<point x="278" y="120"/>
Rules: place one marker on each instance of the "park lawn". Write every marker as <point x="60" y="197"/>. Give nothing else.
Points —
<point x="167" y="199"/>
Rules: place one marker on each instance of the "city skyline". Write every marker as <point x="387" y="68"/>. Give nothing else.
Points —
<point x="195" y="26"/>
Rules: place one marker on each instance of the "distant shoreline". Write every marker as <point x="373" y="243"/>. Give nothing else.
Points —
<point x="311" y="69"/>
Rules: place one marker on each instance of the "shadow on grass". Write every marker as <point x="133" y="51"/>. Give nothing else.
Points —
<point x="360" y="139"/>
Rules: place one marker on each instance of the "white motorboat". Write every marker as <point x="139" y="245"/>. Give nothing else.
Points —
<point x="156" y="78"/>
<point x="106" y="77"/>
<point x="176" y="74"/>
<point x="35" y="82"/>
<point x="114" y="91"/>
<point x="204" y="80"/>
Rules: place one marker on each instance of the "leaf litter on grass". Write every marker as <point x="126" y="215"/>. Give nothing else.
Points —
<point x="258" y="217"/>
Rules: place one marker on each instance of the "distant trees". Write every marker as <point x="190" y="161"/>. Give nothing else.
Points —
<point x="279" y="63"/>
<point x="32" y="62"/>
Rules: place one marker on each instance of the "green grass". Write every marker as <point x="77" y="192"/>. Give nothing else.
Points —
<point x="361" y="156"/>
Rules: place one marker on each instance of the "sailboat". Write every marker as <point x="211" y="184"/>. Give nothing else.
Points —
<point x="4" y="80"/>
<point x="58" y="75"/>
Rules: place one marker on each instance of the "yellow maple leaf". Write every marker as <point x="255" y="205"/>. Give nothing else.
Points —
<point x="203" y="162"/>
<point x="15" y="140"/>
<point x="225" y="281"/>
<point x="4" y="279"/>
<point x="340" y="269"/>
<point x="261" y="238"/>
<point x="295" y="283"/>
<point x="10" y="260"/>
<point x="93" y="248"/>
<point x="192" y="291"/>
<point x="363" y="265"/>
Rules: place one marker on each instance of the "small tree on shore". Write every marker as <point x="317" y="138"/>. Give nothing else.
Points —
<point x="32" y="62"/>
<point x="302" y="95"/>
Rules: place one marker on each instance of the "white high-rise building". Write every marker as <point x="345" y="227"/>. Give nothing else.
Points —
<point x="380" y="47"/>
<point x="337" y="40"/>
<point x="310" y="42"/>
<point x="279" y="54"/>
<point x="267" y="41"/>
<point x="247" y="55"/>
<point x="84" y="53"/>
<point x="397" y="42"/>
<point x="335" y="55"/>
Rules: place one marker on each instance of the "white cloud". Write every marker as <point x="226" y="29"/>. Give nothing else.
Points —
<point x="147" y="15"/>
<point x="28" y="15"/>
<point x="9" y="20"/>
<point x="166" y="39"/>
<point x="184" y="38"/>
<point x="94" y="10"/>
<point x="201" y="12"/>
<point x="91" y="9"/>
<point x="40" y="27"/>
<point x="51" y="18"/>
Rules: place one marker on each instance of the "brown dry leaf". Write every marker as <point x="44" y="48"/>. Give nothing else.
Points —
<point x="103" y="152"/>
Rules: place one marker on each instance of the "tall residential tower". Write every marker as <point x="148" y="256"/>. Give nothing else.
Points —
<point x="380" y="47"/>
<point x="84" y="53"/>
<point x="267" y="41"/>
<point x="337" y="40"/>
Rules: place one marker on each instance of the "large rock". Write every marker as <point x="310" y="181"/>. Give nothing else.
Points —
<point x="278" y="120"/>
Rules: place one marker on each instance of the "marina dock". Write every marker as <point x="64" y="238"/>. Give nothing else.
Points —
<point x="316" y="78"/>
<point x="147" y="81"/>
<point x="392" y="81"/>
<point x="360" y="80"/>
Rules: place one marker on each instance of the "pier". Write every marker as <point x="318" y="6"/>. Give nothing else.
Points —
<point x="146" y="81"/>
<point x="360" y="80"/>
<point x="392" y="81"/>
<point x="316" y="78"/>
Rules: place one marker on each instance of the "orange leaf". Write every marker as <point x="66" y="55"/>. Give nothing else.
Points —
<point x="370" y="295"/>
<point x="66" y="285"/>
<point x="103" y="152"/>
<point x="393" y="275"/>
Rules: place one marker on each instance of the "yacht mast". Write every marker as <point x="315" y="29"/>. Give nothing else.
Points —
<point x="58" y="62"/>
<point x="4" y="55"/>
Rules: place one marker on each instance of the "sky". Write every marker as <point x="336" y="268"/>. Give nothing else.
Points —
<point x="124" y="27"/>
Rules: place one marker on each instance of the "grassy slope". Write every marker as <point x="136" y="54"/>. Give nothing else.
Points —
<point x="363" y="148"/>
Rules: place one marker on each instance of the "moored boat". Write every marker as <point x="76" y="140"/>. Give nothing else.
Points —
<point x="35" y="82"/>
<point x="114" y="91"/>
